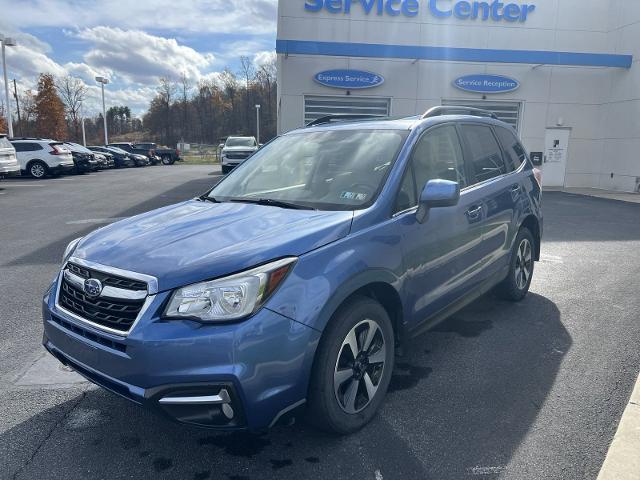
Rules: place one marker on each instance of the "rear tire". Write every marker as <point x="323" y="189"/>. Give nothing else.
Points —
<point x="516" y="285"/>
<point x="167" y="160"/>
<point x="347" y="387"/>
<point x="38" y="169"/>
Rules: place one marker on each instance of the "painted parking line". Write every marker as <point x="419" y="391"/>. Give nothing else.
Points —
<point x="95" y="220"/>
<point x="551" y="258"/>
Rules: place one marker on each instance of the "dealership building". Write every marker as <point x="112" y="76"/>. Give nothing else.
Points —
<point x="563" y="73"/>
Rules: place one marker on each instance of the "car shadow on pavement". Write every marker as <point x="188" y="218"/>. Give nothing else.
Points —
<point x="51" y="252"/>
<point x="461" y="401"/>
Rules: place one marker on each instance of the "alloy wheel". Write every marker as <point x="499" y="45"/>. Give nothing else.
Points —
<point x="524" y="264"/>
<point x="37" y="170"/>
<point x="359" y="367"/>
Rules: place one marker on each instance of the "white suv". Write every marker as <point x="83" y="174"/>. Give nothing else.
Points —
<point x="8" y="163"/>
<point x="236" y="150"/>
<point x="40" y="157"/>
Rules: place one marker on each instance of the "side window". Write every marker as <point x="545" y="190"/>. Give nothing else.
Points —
<point x="486" y="157"/>
<point x="514" y="153"/>
<point x="438" y="154"/>
<point x="407" y="197"/>
<point x="19" y="147"/>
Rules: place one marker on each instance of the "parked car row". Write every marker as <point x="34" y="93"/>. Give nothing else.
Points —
<point x="40" y="157"/>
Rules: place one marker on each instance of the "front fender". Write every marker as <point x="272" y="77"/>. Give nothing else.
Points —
<point x="323" y="279"/>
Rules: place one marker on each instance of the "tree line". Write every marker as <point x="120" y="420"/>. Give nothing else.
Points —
<point x="181" y="110"/>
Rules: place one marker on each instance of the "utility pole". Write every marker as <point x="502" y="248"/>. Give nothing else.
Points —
<point x="15" y="94"/>
<point x="7" y="42"/>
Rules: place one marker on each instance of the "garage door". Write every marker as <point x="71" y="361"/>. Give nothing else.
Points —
<point x="320" y="106"/>
<point x="508" y="112"/>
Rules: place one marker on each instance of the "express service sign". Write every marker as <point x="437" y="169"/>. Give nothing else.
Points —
<point x="348" y="79"/>
<point x="486" y="83"/>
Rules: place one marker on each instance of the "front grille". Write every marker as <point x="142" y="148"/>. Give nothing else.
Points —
<point x="238" y="155"/>
<point x="118" y="314"/>
<point x="107" y="279"/>
<point x="121" y="347"/>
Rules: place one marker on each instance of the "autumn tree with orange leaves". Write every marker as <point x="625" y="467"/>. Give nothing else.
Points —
<point x="50" y="120"/>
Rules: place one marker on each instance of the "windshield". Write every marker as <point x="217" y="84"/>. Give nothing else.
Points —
<point x="331" y="170"/>
<point x="240" y="142"/>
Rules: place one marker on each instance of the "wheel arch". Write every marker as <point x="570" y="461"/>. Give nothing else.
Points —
<point x="532" y="223"/>
<point x="32" y="161"/>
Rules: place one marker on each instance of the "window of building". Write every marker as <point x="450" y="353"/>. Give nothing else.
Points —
<point x="508" y="112"/>
<point x="321" y="106"/>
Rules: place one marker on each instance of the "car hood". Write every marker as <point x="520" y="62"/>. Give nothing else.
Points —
<point x="194" y="240"/>
<point x="239" y="149"/>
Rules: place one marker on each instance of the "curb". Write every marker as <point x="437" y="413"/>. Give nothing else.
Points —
<point x="623" y="458"/>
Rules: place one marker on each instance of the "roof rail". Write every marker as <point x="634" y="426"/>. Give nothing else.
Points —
<point x="29" y="138"/>
<point x="341" y="117"/>
<point x="458" y="110"/>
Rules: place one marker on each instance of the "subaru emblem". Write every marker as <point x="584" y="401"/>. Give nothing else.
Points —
<point x="92" y="287"/>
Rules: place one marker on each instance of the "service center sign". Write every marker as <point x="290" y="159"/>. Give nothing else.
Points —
<point x="486" y="83"/>
<point x="349" y="79"/>
<point x="461" y="9"/>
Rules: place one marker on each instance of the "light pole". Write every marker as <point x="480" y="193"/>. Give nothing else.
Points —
<point x="84" y="135"/>
<point x="103" y="81"/>
<point x="7" y="42"/>
<point x="258" y="124"/>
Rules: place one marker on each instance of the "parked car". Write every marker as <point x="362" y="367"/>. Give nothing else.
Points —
<point x="39" y="157"/>
<point x="9" y="166"/>
<point x="295" y="278"/>
<point x="167" y="155"/>
<point x="134" y="149"/>
<point x="120" y="157"/>
<point x="236" y="150"/>
<point x="83" y="158"/>
<point x="105" y="160"/>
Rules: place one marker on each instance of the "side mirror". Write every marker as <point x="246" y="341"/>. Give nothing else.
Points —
<point x="221" y="146"/>
<point x="437" y="193"/>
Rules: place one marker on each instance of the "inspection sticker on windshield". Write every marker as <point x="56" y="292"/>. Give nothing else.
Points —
<point x="353" y="196"/>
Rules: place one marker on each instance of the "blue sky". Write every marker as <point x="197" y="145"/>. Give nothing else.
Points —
<point x="134" y="42"/>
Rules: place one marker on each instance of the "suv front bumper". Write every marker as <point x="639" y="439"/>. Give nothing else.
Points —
<point x="263" y="364"/>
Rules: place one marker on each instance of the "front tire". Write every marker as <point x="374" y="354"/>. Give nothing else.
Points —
<point x="226" y="169"/>
<point x="38" y="169"/>
<point x="353" y="367"/>
<point x="516" y="285"/>
<point x="167" y="160"/>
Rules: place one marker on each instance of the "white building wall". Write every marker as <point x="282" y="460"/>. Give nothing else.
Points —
<point x="600" y="105"/>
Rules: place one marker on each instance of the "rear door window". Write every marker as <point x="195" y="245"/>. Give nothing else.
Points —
<point x="486" y="157"/>
<point x="514" y="152"/>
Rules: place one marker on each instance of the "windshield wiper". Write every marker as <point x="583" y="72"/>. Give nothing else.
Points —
<point x="272" y="202"/>
<point x="207" y="198"/>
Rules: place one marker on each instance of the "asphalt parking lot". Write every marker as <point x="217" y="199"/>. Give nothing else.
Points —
<point x="532" y="390"/>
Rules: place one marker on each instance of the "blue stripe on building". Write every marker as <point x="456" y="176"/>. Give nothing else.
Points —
<point x="453" y="54"/>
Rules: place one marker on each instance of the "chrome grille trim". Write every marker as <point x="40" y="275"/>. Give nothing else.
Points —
<point x="152" y="287"/>
<point x="107" y="291"/>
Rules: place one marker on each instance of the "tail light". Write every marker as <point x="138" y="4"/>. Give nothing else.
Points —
<point x="177" y="151"/>
<point x="56" y="150"/>
<point x="538" y="174"/>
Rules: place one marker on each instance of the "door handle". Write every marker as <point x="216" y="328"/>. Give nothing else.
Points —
<point x="474" y="212"/>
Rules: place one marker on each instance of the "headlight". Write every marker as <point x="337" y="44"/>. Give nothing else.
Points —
<point x="229" y="298"/>
<point x="70" y="249"/>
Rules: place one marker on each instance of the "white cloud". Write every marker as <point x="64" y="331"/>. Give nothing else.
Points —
<point x="140" y="57"/>
<point x="263" y="57"/>
<point x="213" y="16"/>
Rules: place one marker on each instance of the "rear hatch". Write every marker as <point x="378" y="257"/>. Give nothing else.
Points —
<point x="8" y="159"/>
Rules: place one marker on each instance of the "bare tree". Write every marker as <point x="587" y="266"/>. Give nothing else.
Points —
<point x="72" y="92"/>
<point x="247" y="70"/>
<point x="166" y="93"/>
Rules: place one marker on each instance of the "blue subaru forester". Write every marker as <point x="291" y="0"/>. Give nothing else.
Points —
<point x="294" y="281"/>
